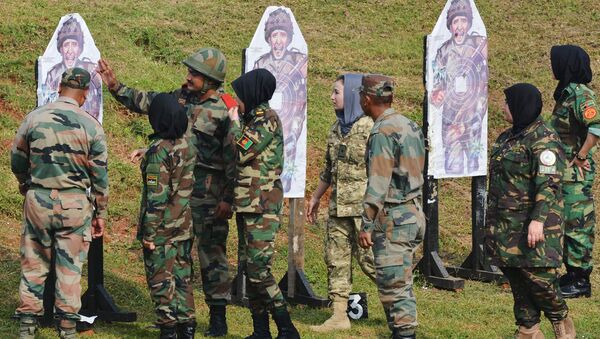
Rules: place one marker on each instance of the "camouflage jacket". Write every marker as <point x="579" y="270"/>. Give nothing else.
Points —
<point x="575" y="115"/>
<point x="525" y="185"/>
<point x="395" y="158"/>
<point x="345" y="167"/>
<point x="215" y="153"/>
<point x="168" y="177"/>
<point x="259" y="158"/>
<point x="94" y="99"/>
<point x="60" y="146"/>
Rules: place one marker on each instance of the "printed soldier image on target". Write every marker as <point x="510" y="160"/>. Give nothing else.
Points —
<point x="279" y="47"/>
<point x="457" y="79"/>
<point x="71" y="45"/>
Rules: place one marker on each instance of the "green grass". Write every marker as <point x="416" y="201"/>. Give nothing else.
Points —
<point x="145" y="42"/>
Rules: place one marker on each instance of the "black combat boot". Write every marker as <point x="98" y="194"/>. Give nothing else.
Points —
<point x="580" y="286"/>
<point x="260" y="322"/>
<point x="217" y="325"/>
<point x="168" y="332"/>
<point x="567" y="278"/>
<point x="186" y="330"/>
<point x="285" y="328"/>
<point x="400" y="334"/>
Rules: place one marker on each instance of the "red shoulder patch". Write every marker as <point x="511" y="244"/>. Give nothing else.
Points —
<point x="229" y="101"/>
<point x="589" y="113"/>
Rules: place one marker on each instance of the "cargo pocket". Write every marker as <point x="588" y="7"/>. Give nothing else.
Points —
<point x="73" y="211"/>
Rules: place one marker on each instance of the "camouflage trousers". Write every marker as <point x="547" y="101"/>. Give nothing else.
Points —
<point x="211" y="236"/>
<point x="395" y="239"/>
<point x="535" y="289"/>
<point x="54" y="223"/>
<point x="580" y="224"/>
<point x="256" y="246"/>
<point x="169" y="276"/>
<point x="341" y="244"/>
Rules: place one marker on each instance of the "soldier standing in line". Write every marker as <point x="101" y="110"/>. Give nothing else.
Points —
<point x="59" y="152"/>
<point x="165" y="225"/>
<point x="524" y="235"/>
<point x="345" y="172"/>
<point x="259" y="198"/>
<point x="214" y="172"/>
<point x="393" y="220"/>
<point x="577" y="122"/>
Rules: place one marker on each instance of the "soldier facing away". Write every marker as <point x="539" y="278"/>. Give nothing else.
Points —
<point x="259" y="198"/>
<point x="576" y="120"/>
<point x="524" y="226"/>
<point x="345" y="171"/>
<point x="214" y="172"/>
<point x="393" y="220"/>
<point x="59" y="152"/>
<point x="165" y="225"/>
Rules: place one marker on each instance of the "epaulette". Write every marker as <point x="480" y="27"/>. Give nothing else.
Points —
<point x="259" y="112"/>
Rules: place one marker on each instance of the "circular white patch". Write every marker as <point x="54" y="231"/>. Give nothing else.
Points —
<point x="548" y="158"/>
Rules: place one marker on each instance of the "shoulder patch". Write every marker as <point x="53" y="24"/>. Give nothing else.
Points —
<point x="548" y="158"/>
<point x="589" y="113"/>
<point x="245" y="142"/>
<point x="152" y="180"/>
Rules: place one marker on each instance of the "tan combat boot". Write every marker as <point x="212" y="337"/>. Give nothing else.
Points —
<point x="529" y="333"/>
<point x="564" y="329"/>
<point x="338" y="321"/>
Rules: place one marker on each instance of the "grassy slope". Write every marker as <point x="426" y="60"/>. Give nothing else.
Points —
<point x="145" y="42"/>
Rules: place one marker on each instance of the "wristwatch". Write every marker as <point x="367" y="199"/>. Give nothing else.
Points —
<point x="579" y="157"/>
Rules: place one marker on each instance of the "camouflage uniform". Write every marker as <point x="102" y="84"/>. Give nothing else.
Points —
<point x="214" y="174"/>
<point x="290" y="71"/>
<point x="392" y="211"/>
<point x="71" y="29"/>
<point x="58" y="153"/>
<point x="573" y="119"/>
<point x="525" y="180"/>
<point x="258" y="201"/>
<point x="462" y="114"/>
<point x="345" y="171"/>
<point x="166" y="220"/>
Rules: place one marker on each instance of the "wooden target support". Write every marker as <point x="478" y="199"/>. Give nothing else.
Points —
<point x="431" y="265"/>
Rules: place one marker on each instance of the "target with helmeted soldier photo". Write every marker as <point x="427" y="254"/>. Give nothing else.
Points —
<point x="457" y="86"/>
<point x="279" y="47"/>
<point x="71" y="45"/>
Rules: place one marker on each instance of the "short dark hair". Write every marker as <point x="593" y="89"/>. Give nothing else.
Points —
<point x="383" y="100"/>
<point x="340" y="78"/>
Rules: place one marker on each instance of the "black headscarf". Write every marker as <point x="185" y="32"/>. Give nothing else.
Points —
<point x="525" y="104"/>
<point x="254" y="88"/>
<point x="570" y="64"/>
<point x="167" y="117"/>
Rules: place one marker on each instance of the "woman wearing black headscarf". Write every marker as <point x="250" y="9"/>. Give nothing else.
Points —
<point x="577" y="122"/>
<point x="165" y="225"/>
<point x="345" y="171"/>
<point x="524" y="229"/>
<point x="259" y="197"/>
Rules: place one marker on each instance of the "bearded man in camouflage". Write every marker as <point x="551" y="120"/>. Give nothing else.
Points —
<point x="59" y="152"/>
<point x="70" y="43"/>
<point x="214" y="172"/>
<point x="393" y="220"/>
<point x="524" y="225"/>
<point x="289" y="66"/>
<point x="259" y="198"/>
